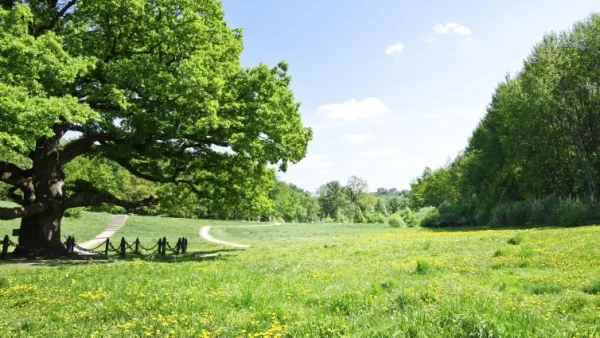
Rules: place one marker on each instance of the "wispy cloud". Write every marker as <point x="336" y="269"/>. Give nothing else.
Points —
<point x="353" y="110"/>
<point x="452" y="27"/>
<point x="358" y="138"/>
<point x="394" y="50"/>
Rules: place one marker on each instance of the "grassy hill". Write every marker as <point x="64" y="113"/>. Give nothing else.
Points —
<point x="320" y="280"/>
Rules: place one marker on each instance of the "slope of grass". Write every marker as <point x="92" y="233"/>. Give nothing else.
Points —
<point x="320" y="281"/>
<point x="84" y="228"/>
<point x="150" y="229"/>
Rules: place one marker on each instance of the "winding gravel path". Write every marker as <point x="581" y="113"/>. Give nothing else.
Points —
<point x="205" y="234"/>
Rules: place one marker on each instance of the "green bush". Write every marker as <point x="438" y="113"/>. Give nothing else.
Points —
<point x="358" y="215"/>
<point x="74" y="213"/>
<point x="396" y="221"/>
<point x="409" y="218"/>
<point x="540" y="211"/>
<point x="482" y="217"/>
<point x="451" y="215"/>
<point x="544" y="212"/>
<point x="375" y="217"/>
<point x="431" y="218"/>
<point x="571" y="212"/>
<point x="510" y="214"/>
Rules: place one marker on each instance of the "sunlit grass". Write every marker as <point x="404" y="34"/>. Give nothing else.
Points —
<point x="320" y="281"/>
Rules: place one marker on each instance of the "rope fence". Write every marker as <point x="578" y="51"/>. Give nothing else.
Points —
<point x="122" y="249"/>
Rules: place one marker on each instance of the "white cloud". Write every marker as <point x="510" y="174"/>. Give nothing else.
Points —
<point x="317" y="162"/>
<point x="394" y="50"/>
<point x="452" y="27"/>
<point x="358" y="138"/>
<point x="379" y="153"/>
<point x="355" y="110"/>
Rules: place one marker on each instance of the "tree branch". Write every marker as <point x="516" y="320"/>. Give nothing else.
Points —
<point x="26" y="211"/>
<point x="12" y="169"/>
<point x="90" y="199"/>
<point x="129" y="167"/>
<point x="66" y="8"/>
<point x="12" y="195"/>
<point x="83" y="145"/>
<point x="12" y="174"/>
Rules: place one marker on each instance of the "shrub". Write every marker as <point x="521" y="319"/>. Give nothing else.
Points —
<point x="431" y="219"/>
<point x="451" y="215"/>
<point x="409" y="217"/>
<point x="571" y="212"/>
<point x="74" y="213"/>
<point x="482" y="217"/>
<point x="377" y="218"/>
<point x="395" y="221"/>
<point x="540" y="211"/>
<point x="358" y="216"/>
<point x="510" y="214"/>
<point x="545" y="211"/>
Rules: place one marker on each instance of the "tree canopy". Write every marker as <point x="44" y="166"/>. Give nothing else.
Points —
<point x="538" y="142"/>
<point x="155" y="86"/>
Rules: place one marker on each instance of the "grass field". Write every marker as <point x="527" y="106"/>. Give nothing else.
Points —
<point x="320" y="280"/>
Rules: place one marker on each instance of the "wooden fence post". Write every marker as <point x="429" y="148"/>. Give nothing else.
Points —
<point x="106" y="248"/>
<point x="5" y="242"/>
<point x="67" y="246"/>
<point x="137" y="246"/>
<point x="123" y="247"/>
<point x="178" y="247"/>
<point x="164" y="252"/>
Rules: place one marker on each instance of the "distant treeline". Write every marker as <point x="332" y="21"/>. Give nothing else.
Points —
<point x="535" y="156"/>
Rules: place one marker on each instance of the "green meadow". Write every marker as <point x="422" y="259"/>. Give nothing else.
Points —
<point x="319" y="280"/>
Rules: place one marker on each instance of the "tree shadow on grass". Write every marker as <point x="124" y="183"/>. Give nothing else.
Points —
<point x="195" y="256"/>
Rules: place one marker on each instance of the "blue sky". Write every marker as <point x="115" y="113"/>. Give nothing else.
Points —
<point x="391" y="86"/>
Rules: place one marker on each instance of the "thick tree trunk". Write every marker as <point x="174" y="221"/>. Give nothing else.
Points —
<point x="39" y="235"/>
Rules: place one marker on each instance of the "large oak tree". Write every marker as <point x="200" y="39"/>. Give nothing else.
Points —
<point x="153" y="85"/>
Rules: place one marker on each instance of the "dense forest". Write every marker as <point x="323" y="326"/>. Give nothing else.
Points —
<point x="535" y="156"/>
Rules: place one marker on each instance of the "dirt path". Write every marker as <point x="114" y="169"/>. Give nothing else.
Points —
<point x="205" y="234"/>
<point x="116" y="223"/>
